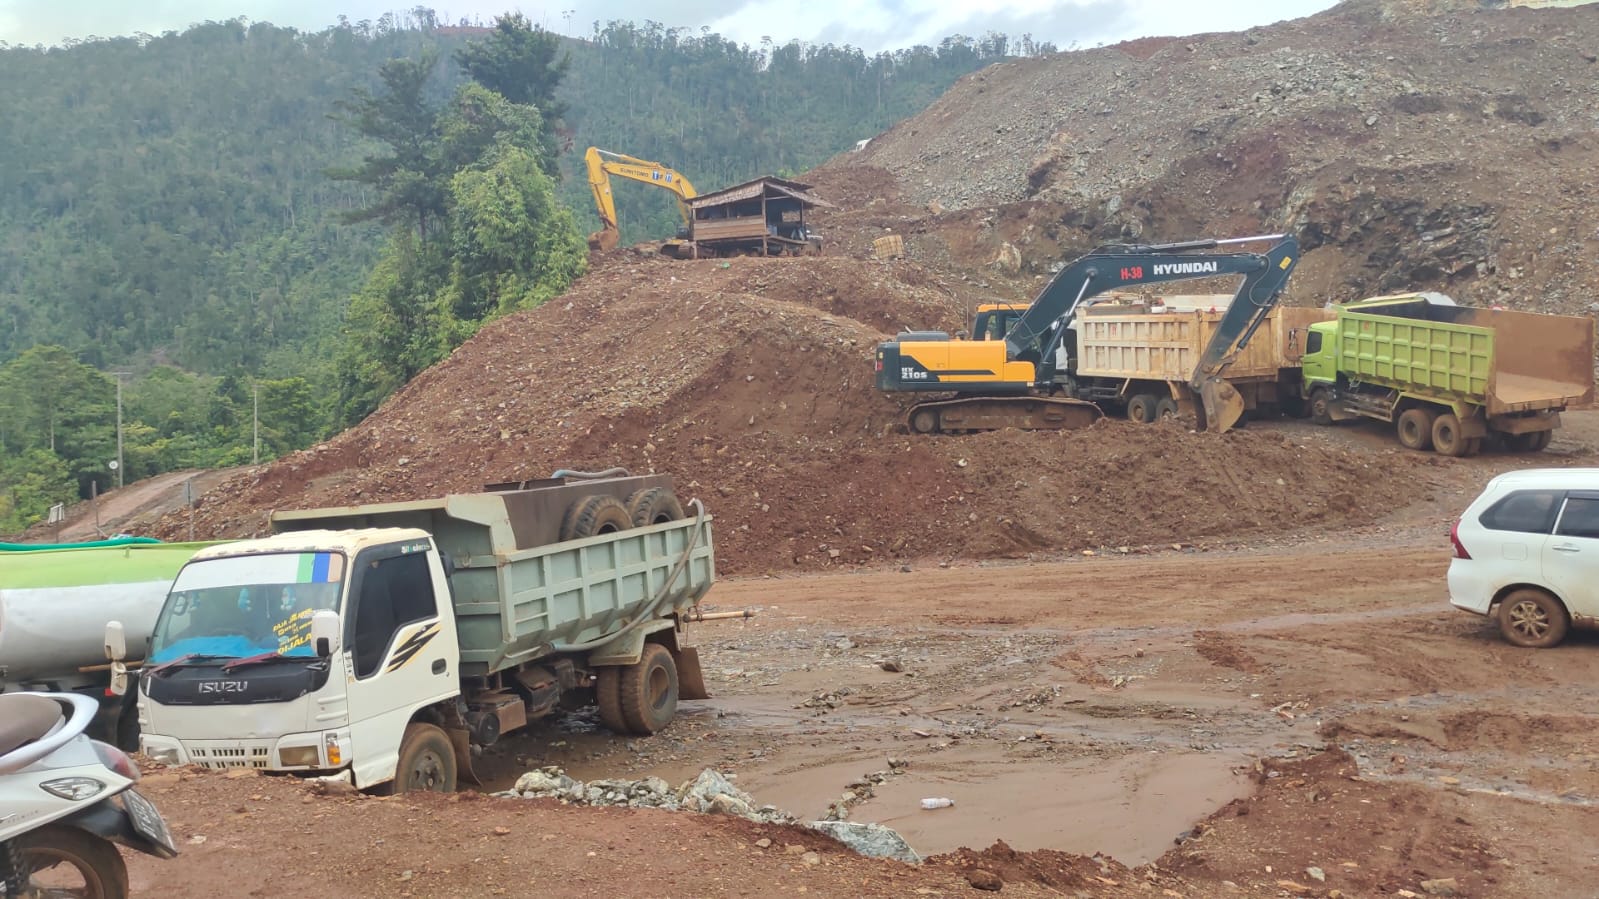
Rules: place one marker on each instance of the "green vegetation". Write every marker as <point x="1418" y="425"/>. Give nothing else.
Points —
<point x="324" y="215"/>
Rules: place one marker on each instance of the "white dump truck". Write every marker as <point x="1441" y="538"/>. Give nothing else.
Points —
<point x="388" y="640"/>
<point x="55" y="600"/>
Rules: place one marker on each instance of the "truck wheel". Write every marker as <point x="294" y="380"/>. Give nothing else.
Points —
<point x="608" y="698"/>
<point x="1143" y="408"/>
<point x="1446" y="436"/>
<point x="649" y="691"/>
<point x="1415" y="429"/>
<point x="427" y="761"/>
<point x="653" y="505"/>
<point x="1541" y="442"/>
<point x="1532" y="618"/>
<point x="1166" y="408"/>
<point x="1321" y="406"/>
<point x="593" y="515"/>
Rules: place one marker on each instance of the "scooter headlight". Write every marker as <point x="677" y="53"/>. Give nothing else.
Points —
<point x="74" y="789"/>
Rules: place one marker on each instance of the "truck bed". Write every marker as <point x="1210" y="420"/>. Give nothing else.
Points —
<point x="1166" y="346"/>
<point x="1503" y="360"/>
<point x="520" y="595"/>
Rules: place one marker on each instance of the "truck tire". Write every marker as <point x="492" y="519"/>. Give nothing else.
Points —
<point x="1321" y="406"/>
<point x="653" y="505"/>
<point x="1415" y="429"/>
<point x="1447" y="438"/>
<point x="649" y="691"/>
<point x="1533" y="619"/>
<point x="608" y="698"/>
<point x="1166" y="408"/>
<point x="427" y="761"/>
<point x="1530" y="442"/>
<point x="1143" y="408"/>
<point x="1542" y="442"/>
<point x="594" y="515"/>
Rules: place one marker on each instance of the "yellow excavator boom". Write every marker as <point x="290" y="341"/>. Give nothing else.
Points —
<point x="602" y="164"/>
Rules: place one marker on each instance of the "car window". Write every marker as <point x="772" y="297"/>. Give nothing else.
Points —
<point x="1580" y="518"/>
<point x="1526" y="511"/>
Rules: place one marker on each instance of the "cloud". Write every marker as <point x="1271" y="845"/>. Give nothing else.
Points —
<point x="871" y="25"/>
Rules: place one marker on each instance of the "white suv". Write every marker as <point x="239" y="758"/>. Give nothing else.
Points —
<point x="1530" y="546"/>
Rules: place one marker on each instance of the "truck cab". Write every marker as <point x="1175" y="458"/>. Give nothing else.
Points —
<point x="1319" y="364"/>
<point x="308" y="651"/>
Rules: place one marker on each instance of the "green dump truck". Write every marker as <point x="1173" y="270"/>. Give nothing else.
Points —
<point x="1450" y="378"/>
<point x="55" y="600"/>
<point x="393" y="641"/>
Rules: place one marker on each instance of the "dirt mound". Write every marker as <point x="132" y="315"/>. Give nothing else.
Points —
<point x="1409" y="145"/>
<point x="751" y="382"/>
<point x="1056" y="870"/>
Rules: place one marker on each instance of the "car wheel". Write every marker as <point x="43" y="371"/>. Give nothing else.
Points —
<point x="1532" y="618"/>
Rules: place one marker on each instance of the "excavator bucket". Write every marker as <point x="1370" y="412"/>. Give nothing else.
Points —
<point x="604" y="240"/>
<point x="1222" y="404"/>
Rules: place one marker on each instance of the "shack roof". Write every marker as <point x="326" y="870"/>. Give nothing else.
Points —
<point x="771" y="187"/>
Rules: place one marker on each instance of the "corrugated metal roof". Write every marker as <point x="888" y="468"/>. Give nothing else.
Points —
<point x="750" y="190"/>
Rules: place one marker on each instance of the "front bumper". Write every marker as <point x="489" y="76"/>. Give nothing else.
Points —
<point x="304" y="752"/>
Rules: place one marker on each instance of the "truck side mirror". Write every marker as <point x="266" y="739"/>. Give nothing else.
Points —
<point x="116" y="641"/>
<point x="116" y="649"/>
<point x="325" y="632"/>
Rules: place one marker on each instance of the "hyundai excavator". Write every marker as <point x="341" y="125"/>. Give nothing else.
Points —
<point x="1013" y="383"/>
<point x="602" y="164"/>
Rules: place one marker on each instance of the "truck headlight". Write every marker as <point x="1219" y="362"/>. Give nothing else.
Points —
<point x="298" y="757"/>
<point x="161" y="755"/>
<point x="73" y="789"/>
<point x="335" y="754"/>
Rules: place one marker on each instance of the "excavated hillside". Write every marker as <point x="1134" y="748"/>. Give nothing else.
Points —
<point x="1411" y="146"/>
<point x="750" y="381"/>
<point x="1441" y="146"/>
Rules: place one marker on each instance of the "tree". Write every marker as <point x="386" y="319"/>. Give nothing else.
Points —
<point x="407" y="175"/>
<point x="524" y="64"/>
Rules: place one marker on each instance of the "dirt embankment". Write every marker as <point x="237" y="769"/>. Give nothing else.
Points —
<point x="751" y="382"/>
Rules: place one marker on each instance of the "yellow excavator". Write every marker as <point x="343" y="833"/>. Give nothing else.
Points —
<point x="602" y="164"/>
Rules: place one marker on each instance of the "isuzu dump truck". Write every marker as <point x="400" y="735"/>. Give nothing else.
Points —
<point x="1450" y="378"/>
<point x="55" y="600"/>
<point x="388" y="640"/>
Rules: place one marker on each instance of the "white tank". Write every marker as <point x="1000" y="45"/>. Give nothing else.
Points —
<point x="54" y="604"/>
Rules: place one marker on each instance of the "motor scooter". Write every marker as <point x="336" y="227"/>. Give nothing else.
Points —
<point x="67" y="802"/>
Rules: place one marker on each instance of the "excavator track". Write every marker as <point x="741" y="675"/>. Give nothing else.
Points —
<point x="991" y="413"/>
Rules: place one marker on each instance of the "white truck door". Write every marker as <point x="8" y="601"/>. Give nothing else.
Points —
<point x="400" y="652"/>
<point x="1571" y="554"/>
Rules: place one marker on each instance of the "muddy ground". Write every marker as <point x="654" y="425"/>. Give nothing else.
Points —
<point x="1305" y="715"/>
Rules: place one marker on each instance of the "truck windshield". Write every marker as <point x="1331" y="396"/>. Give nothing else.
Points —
<point x="247" y="605"/>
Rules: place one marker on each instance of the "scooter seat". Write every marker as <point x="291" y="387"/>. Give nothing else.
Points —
<point x="24" y="719"/>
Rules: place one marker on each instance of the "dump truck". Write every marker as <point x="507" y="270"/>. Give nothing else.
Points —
<point x="1138" y="357"/>
<point x="387" y="643"/>
<point x="55" y="600"/>
<point x="1449" y="378"/>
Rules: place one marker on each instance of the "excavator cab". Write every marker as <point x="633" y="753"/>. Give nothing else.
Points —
<point x="993" y="320"/>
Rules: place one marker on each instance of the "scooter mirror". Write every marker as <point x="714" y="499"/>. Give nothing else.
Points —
<point x="325" y="632"/>
<point x="116" y="641"/>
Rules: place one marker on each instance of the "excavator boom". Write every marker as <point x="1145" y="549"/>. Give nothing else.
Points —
<point x="601" y="164"/>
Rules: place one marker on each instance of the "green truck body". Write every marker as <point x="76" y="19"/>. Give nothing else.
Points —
<point x="1451" y="377"/>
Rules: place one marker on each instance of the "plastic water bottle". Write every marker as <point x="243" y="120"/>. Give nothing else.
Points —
<point x="940" y="802"/>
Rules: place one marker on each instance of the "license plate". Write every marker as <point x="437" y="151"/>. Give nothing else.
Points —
<point x="147" y="822"/>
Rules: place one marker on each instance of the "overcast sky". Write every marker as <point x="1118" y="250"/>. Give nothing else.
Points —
<point x="869" y="24"/>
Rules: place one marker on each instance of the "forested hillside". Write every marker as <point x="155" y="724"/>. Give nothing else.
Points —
<point x="166" y="207"/>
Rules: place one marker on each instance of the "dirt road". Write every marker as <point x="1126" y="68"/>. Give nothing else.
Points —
<point x="1103" y="705"/>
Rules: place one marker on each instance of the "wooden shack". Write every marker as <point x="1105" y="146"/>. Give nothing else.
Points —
<point x="764" y="217"/>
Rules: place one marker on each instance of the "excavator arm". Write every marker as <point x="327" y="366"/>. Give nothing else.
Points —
<point x="601" y="164"/>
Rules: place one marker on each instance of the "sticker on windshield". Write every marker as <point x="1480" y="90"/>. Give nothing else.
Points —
<point x="320" y="568"/>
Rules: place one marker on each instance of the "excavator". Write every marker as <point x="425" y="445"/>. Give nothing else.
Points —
<point x="602" y="164"/>
<point x="1012" y="381"/>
